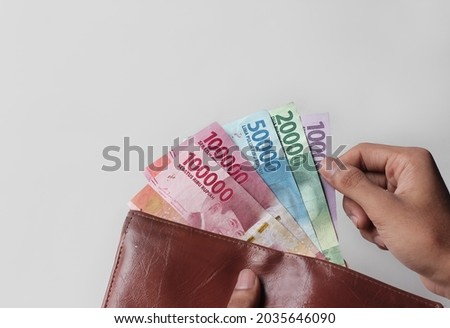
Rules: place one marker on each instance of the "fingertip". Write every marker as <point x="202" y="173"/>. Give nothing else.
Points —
<point x="247" y="291"/>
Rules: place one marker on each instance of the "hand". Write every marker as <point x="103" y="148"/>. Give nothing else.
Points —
<point x="247" y="292"/>
<point x="397" y="199"/>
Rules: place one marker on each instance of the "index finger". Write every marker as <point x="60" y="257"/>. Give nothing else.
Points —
<point x="370" y="157"/>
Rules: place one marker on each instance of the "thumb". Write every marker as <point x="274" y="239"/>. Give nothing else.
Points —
<point x="247" y="292"/>
<point x="353" y="183"/>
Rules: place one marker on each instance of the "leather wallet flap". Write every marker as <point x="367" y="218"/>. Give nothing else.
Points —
<point x="164" y="264"/>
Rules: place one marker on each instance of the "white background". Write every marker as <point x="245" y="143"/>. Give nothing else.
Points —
<point x="78" y="76"/>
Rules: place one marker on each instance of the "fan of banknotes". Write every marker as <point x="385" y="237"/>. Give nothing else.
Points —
<point x="254" y="179"/>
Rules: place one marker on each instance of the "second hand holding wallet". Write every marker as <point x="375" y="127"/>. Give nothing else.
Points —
<point x="165" y="264"/>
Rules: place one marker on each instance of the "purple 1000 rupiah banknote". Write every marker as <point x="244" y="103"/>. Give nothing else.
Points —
<point x="317" y="130"/>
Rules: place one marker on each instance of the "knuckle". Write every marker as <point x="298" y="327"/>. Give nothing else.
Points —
<point x="422" y="153"/>
<point x="418" y="156"/>
<point x="362" y="144"/>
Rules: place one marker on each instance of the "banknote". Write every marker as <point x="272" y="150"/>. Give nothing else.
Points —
<point x="256" y="137"/>
<point x="149" y="201"/>
<point x="286" y="120"/>
<point x="219" y="146"/>
<point x="205" y="195"/>
<point x="270" y="233"/>
<point x="317" y="130"/>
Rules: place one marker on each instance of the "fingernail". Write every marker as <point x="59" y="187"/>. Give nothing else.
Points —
<point x="246" y="279"/>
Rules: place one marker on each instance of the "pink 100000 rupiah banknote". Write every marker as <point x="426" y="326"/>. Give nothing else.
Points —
<point x="204" y="194"/>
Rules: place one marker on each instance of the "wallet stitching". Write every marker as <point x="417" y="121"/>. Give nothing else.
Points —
<point x="118" y="261"/>
<point x="248" y="245"/>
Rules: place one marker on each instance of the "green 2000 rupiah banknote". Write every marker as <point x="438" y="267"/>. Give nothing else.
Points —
<point x="290" y="131"/>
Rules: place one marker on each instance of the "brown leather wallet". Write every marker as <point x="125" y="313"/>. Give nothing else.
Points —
<point x="165" y="264"/>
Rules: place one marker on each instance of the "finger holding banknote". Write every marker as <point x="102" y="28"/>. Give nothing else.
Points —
<point x="398" y="199"/>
